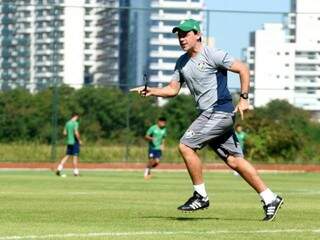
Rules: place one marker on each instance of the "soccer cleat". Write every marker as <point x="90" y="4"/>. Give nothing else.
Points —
<point x="272" y="208"/>
<point x="196" y="202"/>
<point x="58" y="173"/>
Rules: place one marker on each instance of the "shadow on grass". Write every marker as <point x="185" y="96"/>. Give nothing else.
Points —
<point x="198" y="218"/>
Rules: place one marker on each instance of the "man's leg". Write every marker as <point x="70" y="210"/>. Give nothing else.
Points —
<point x="75" y="165"/>
<point x="193" y="163"/>
<point x="152" y="163"/>
<point x="247" y="171"/>
<point x="60" y="166"/>
<point x="272" y="202"/>
<point x="200" y="199"/>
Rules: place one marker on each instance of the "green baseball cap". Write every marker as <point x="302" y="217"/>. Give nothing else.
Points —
<point x="187" y="25"/>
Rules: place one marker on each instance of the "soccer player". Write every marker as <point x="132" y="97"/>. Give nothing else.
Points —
<point x="156" y="137"/>
<point x="71" y="131"/>
<point x="241" y="135"/>
<point x="204" y="70"/>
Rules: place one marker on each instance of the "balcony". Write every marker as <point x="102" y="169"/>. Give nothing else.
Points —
<point x="163" y="29"/>
<point x="164" y="41"/>
<point x="177" y="4"/>
<point x="172" y="17"/>
<point x="162" y="66"/>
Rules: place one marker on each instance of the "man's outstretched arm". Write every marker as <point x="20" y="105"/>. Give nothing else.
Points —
<point x="171" y="90"/>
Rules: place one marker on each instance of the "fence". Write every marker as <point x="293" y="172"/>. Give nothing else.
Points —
<point x="46" y="45"/>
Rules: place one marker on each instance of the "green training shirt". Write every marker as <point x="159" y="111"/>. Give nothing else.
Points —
<point x="158" y="135"/>
<point x="71" y="127"/>
<point x="241" y="137"/>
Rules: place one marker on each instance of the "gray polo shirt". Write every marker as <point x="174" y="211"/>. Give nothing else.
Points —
<point x="206" y="77"/>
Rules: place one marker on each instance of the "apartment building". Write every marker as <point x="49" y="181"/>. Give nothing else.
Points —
<point x="47" y="41"/>
<point x="284" y="58"/>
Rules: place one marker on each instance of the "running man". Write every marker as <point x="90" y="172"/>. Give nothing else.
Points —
<point x="156" y="137"/>
<point x="204" y="70"/>
<point x="71" y="131"/>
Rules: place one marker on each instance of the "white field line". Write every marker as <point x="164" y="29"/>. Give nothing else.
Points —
<point x="158" y="233"/>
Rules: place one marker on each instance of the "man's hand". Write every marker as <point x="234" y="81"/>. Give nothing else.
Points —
<point x="242" y="106"/>
<point x="143" y="91"/>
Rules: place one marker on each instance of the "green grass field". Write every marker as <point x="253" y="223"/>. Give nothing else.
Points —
<point x="121" y="205"/>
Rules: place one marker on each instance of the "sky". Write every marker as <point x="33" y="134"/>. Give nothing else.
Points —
<point x="231" y="30"/>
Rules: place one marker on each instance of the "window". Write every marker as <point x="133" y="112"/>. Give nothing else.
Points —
<point x="174" y="11"/>
<point x="154" y="48"/>
<point x="170" y="48"/>
<point x="88" y="11"/>
<point x="87" y="69"/>
<point x="169" y="60"/>
<point x="169" y="35"/>
<point x="167" y="72"/>
<point x="171" y="23"/>
<point x="154" y="60"/>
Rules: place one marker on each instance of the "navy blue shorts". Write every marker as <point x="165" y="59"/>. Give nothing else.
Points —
<point x="73" y="150"/>
<point x="154" y="154"/>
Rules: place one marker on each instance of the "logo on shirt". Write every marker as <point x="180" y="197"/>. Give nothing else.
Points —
<point x="189" y="134"/>
<point x="201" y="66"/>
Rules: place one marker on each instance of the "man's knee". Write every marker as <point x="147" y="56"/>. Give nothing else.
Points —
<point x="234" y="161"/>
<point x="183" y="149"/>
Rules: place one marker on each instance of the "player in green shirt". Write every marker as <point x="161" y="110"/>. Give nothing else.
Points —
<point x="71" y="131"/>
<point x="155" y="136"/>
<point x="241" y="135"/>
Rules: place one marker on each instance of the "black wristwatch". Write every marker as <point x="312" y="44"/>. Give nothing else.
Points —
<point x="244" y="95"/>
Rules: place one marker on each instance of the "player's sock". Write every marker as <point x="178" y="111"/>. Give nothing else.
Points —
<point x="147" y="171"/>
<point x="200" y="189"/>
<point x="60" y="167"/>
<point x="76" y="171"/>
<point x="267" y="196"/>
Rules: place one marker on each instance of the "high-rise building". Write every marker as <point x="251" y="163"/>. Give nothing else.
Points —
<point x="77" y="42"/>
<point x="284" y="58"/>
<point x="123" y="42"/>
<point x="108" y="46"/>
<point x="15" y="44"/>
<point x="43" y="41"/>
<point x="164" y="46"/>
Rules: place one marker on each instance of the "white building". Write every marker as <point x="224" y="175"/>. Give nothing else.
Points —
<point x="165" y="48"/>
<point x="284" y="59"/>
<point x="51" y="40"/>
